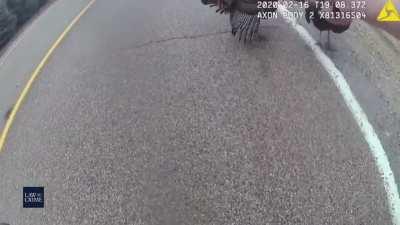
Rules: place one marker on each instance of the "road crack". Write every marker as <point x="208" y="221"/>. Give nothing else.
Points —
<point x="184" y="37"/>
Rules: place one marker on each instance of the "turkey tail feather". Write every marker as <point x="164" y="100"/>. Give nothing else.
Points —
<point x="223" y="6"/>
<point x="247" y="25"/>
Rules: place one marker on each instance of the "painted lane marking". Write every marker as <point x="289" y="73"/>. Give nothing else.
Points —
<point x="359" y="115"/>
<point x="36" y="73"/>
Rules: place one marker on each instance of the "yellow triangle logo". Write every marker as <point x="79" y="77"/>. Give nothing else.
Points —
<point x="389" y="13"/>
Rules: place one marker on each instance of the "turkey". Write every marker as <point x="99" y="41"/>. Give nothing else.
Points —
<point x="313" y="13"/>
<point x="243" y="15"/>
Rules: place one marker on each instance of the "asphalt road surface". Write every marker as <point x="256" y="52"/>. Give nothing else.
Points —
<point x="152" y="113"/>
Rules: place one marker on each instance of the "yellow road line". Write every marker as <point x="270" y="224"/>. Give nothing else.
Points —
<point x="36" y="73"/>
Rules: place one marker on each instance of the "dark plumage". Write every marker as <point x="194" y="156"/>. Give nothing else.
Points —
<point x="243" y="15"/>
<point x="313" y="14"/>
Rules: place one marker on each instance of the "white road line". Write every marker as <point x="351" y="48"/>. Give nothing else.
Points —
<point x="359" y="115"/>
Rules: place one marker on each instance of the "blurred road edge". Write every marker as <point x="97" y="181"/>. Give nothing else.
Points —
<point x="36" y="73"/>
